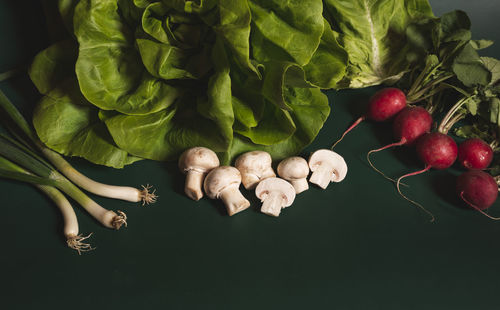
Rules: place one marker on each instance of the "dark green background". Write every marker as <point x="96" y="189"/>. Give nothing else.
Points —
<point x="356" y="245"/>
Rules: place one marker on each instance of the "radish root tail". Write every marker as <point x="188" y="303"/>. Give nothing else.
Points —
<point x="119" y="220"/>
<point x="356" y="123"/>
<point x="403" y="141"/>
<point x="475" y="207"/>
<point x="408" y="199"/>
<point x="148" y="197"/>
<point x="77" y="243"/>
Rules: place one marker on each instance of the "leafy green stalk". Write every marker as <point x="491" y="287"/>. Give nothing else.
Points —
<point x="19" y="165"/>
<point x="23" y="159"/>
<point x="16" y="116"/>
<point x="11" y="73"/>
<point x="449" y="55"/>
<point x="23" y="177"/>
<point x="452" y="116"/>
<point x="27" y="157"/>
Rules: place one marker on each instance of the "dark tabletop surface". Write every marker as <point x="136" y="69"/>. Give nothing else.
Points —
<point x="356" y="245"/>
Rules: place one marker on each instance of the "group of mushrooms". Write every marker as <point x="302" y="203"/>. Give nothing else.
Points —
<point x="254" y="169"/>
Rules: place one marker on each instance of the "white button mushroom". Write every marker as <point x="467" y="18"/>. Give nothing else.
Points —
<point x="295" y="170"/>
<point x="196" y="162"/>
<point x="223" y="183"/>
<point x="275" y="194"/>
<point x="254" y="166"/>
<point x="326" y="166"/>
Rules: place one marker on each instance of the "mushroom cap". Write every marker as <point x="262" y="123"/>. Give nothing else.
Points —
<point x="200" y="159"/>
<point x="276" y="184"/>
<point x="253" y="162"/>
<point x="219" y="179"/>
<point x="328" y="157"/>
<point x="293" y="168"/>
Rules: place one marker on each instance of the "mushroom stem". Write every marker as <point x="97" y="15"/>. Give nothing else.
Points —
<point x="321" y="176"/>
<point x="194" y="181"/>
<point x="272" y="204"/>
<point x="300" y="185"/>
<point x="234" y="200"/>
<point x="250" y="180"/>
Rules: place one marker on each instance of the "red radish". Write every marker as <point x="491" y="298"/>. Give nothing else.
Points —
<point x="383" y="105"/>
<point x="409" y="124"/>
<point x="478" y="189"/>
<point x="386" y="103"/>
<point x="437" y="150"/>
<point x="475" y="154"/>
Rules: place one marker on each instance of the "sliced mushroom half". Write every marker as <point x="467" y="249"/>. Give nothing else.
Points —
<point x="275" y="194"/>
<point x="326" y="166"/>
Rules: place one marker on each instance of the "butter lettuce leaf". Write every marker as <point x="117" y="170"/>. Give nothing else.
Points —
<point x="149" y="78"/>
<point x="373" y="34"/>
<point x="68" y="124"/>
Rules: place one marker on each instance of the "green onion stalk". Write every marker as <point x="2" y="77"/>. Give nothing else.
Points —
<point x="144" y="195"/>
<point x="74" y="239"/>
<point x="23" y="157"/>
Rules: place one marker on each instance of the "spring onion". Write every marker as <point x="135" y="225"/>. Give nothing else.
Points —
<point x="23" y="157"/>
<point x="74" y="240"/>
<point x="144" y="195"/>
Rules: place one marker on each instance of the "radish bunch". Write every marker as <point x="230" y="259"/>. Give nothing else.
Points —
<point x="412" y="127"/>
<point x="475" y="187"/>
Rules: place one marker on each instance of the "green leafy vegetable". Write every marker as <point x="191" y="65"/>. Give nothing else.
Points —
<point x="148" y="78"/>
<point x="373" y="34"/>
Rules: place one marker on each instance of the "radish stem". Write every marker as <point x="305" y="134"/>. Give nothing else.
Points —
<point x="402" y="142"/>
<point x="412" y="201"/>
<point x="475" y="207"/>
<point x="494" y="144"/>
<point x="446" y="123"/>
<point x="356" y="123"/>
<point x="453" y="121"/>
